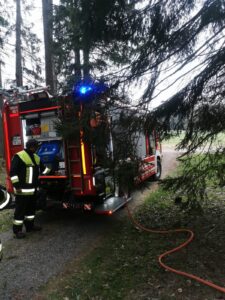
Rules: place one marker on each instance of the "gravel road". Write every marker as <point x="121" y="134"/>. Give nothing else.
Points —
<point x="28" y="264"/>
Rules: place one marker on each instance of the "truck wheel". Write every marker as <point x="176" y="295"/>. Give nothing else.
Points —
<point x="5" y="198"/>
<point x="159" y="170"/>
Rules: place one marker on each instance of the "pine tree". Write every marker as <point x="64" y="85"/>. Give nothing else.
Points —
<point x="47" y="9"/>
<point x="180" y="33"/>
<point x="3" y="27"/>
<point x="19" y="76"/>
<point x="142" y="41"/>
<point x="28" y="63"/>
<point x="86" y="34"/>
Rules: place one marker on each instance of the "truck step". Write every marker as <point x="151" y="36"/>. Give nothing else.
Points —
<point x="110" y="205"/>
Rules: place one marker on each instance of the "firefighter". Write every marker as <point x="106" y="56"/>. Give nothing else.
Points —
<point x="25" y="168"/>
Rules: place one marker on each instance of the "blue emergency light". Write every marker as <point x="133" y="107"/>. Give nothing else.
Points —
<point x="85" y="89"/>
<point x="88" y="90"/>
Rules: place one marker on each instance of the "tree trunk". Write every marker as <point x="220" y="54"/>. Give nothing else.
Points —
<point x="1" y="74"/>
<point x="19" y="73"/>
<point x="77" y="64"/>
<point x="47" y="12"/>
<point x="86" y="65"/>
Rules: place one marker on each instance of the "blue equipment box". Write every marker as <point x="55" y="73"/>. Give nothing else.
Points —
<point x="50" y="153"/>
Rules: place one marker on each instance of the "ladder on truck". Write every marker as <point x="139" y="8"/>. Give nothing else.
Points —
<point x="75" y="170"/>
<point x="73" y="154"/>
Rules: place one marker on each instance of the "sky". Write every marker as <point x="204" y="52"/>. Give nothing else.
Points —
<point x="8" y="72"/>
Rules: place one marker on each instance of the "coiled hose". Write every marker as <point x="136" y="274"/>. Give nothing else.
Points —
<point x="160" y="259"/>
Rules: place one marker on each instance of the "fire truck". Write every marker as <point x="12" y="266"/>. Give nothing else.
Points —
<point x="78" y="178"/>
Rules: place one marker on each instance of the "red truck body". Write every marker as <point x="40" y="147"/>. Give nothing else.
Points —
<point x="76" y="181"/>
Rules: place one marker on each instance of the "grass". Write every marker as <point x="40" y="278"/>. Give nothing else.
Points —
<point x="2" y="172"/>
<point x="125" y="265"/>
<point x="126" y="261"/>
<point x="173" y="141"/>
<point x="6" y="217"/>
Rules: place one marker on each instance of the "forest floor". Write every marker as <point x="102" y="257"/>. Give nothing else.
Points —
<point x="93" y="257"/>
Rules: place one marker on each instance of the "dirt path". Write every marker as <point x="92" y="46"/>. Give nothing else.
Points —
<point x="28" y="264"/>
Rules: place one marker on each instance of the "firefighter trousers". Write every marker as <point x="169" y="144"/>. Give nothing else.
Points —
<point x="24" y="212"/>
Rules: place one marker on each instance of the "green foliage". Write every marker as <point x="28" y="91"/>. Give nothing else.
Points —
<point x="125" y="265"/>
<point x="110" y="123"/>
<point x="30" y="43"/>
<point x="141" y="40"/>
<point x="91" y="26"/>
<point x="199" y="106"/>
<point x="6" y="220"/>
<point x="195" y="174"/>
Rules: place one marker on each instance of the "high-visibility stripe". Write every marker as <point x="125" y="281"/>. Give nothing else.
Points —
<point x="46" y="171"/>
<point x="30" y="178"/>
<point x="37" y="159"/>
<point x="24" y="191"/>
<point x="27" y="190"/>
<point x="18" y="222"/>
<point x="15" y="179"/>
<point x="29" y="218"/>
<point x="25" y="157"/>
<point x="28" y="174"/>
<point x="83" y="158"/>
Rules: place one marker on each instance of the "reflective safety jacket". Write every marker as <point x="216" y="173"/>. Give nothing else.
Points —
<point x="24" y="172"/>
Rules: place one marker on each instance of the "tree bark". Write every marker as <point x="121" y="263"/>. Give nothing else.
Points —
<point x="86" y="65"/>
<point x="47" y="11"/>
<point x="1" y="73"/>
<point x="77" y="64"/>
<point x="19" y="72"/>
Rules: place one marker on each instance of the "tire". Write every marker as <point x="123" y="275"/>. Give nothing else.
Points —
<point x="5" y="198"/>
<point x="159" y="171"/>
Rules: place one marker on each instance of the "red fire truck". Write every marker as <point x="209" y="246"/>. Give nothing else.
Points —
<point x="78" y="178"/>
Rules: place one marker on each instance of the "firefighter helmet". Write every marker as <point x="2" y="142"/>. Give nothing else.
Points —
<point x="32" y="143"/>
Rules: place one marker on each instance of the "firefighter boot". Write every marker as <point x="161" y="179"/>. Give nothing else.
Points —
<point x="17" y="230"/>
<point x="33" y="228"/>
<point x="19" y="235"/>
<point x="36" y="228"/>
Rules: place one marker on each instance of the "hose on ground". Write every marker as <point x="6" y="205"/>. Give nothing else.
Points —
<point x="162" y="256"/>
